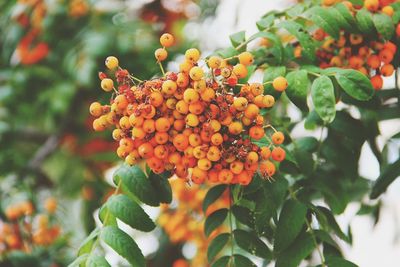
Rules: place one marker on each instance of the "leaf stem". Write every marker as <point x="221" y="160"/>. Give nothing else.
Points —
<point x="230" y="225"/>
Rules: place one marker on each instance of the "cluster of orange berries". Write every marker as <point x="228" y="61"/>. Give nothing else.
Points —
<point x="372" y="58"/>
<point x="192" y="123"/>
<point x="25" y="227"/>
<point x="184" y="223"/>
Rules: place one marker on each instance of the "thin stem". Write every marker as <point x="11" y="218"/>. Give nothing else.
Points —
<point x="135" y="78"/>
<point x="230" y="224"/>
<point x="161" y="68"/>
<point x="314" y="73"/>
<point x="268" y="82"/>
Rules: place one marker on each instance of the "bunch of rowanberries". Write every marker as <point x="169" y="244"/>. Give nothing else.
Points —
<point x="372" y="58"/>
<point x="197" y="123"/>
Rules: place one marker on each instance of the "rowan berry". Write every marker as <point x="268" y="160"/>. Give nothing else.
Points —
<point x="256" y="132"/>
<point x="95" y="109"/>
<point x="111" y="62"/>
<point x="190" y="96"/>
<point x="252" y="157"/>
<point x="387" y="70"/>
<point x="107" y="84"/>
<point x="198" y="175"/>
<point x="371" y="5"/>
<point x="214" y="62"/>
<point x="167" y="40"/>
<point x="267" y="168"/>
<point x="235" y="128"/>
<point x="192" y="55"/>
<point x="377" y="82"/>
<point x="196" y="73"/>
<point x="388" y="10"/>
<point x="161" y="54"/>
<point x="240" y="71"/>
<point x="246" y="58"/>
<point x="278" y="138"/>
<point x="225" y="176"/>
<point x="265" y="153"/>
<point x="280" y="84"/>
<point x="278" y="154"/>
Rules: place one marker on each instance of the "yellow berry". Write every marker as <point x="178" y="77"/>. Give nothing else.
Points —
<point x="95" y="109"/>
<point x="280" y="84"/>
<point x="161" y="54"/>
<point x="246" y="58"/>
<point x="192" y="55"/>
<point x="107" y="84"/>
<point x="167" y="40"/>
<point x="240" y="70"/>
<point x="111" y="62"/>
<point x="214" y="62"/>
<point x="196" y="73"/>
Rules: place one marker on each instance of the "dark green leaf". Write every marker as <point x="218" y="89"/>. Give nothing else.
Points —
<point x="355" y="84"/>
<point x="323" y="97"/>
<point x="221" y="262"/>
<point x="296" y="252"/>
<point x="388" y="175"/>
<point x="324" y="19"/>
<point x="212" y="195"/>
<point x="214" y="220"/>
<point x="384" y="25"/>
<point x="241" y="260"/>
<point x="291" y="221"/>
<point x="216" y="245"/>
<point x="162" y="186"/>
<point x="349" y="22"/>
<point x="326" y="219"/>
<point x="130" y="213"/>
<point x="339" y="262"/>
<point x="365" y="22"/>
<point x="243" y="215"/>
<point x="138" y="184"/>
<point x="123" y="244"/>
<point x="252" y="244"/>
<point x="326" y="238"/>
<point x="297" y="90"/>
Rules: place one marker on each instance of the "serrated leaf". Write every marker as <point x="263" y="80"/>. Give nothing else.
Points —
<point x="324" y="19"/>
<point x="291" y="221"/>
<point x="323" y="96"/>
<point x="388" y="175"/>
<point x="130" y="213"/>
<point x="123" y="244"/>
<point x="384" y="25"/>
<point x="221" y="262"/>
<point x="365" y="22"/>
<point x="216" y="245"/>
<point x="97" y="261"/>
<point x="296" y="252"/>
<point x="241" y="260"/>
<point x="214" y="220"/>
<point x="162" y="186"/>
<point x="339" y="262"/>
<point x="307" y="44"/>
<point x="212" y="195"/>
<point x="355" y="84"/>
<point x="238" y="38"/>
<point x="252" y="244"/>
<point x="297" y="90"/>
<point x="138" y="184"/>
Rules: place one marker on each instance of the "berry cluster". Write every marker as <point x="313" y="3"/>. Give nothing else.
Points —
<point x="372" y="58"/>
<point x="184" y="223"/>
<point x="25" y="227"/>
<point x="196" y="123"/>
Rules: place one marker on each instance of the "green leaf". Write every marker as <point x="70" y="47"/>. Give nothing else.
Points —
<point x="323" y="96"/>
<point x="324" y="19"/>
<point x="241" y="260"/>
<point x="339" y="262"/>
<point x="355" y="84"/>
<point x="105" y="214"/>
<point x="269" y="75"/>
<point x="349" y="22"/>
<point x="138" y="184"/>
<point x="266" y="22"/>
<point x="221" y="262"/>
<point x="214" y="220"/>
<point x="130" y="213"/>
<point x="388" y="175"/>
<point x="327" y="220"/>
<point x="365" y="22"/>
<point x="312" y="120"/>
<point x="212" y="195"/>
<point x="97" y="261"/>
<point x="243" y="215"/>
<point x="291" y="221"/>
<point x="326" y="238"/>
<point x="303" y="37"/>
<point x="277" y="51"/>
<point x="124" y="245"/>
<point x="79" y="261"/>
<point x="252" y="244"/>
<point x="298" y="85"/>
<point x="238" y="38"/>
<point x="87" y="244"/>
<point x="384" y="25"/>
<point x="216" y="245"/>
<point x="161" y="185"/>
<point x="296" y="252"/>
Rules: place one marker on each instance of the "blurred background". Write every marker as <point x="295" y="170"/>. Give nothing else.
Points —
<point x="51" y="52"/>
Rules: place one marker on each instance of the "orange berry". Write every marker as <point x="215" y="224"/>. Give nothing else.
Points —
<point x="214" y="62"/>
<point x="398" y="30"/>
<point x="240" y="103"/>
<point x="167" y="40"/>
<point x="388" y="10"/>
<point x="192" y="120"/>
<point x="371" y="5"/>
<point x="182" y="80"/>
<point x="268" y="101"/>
<point x="377" y="82"/>
<point x="146" y="150"/>
<point x="265" y="152"/>
<point x="182" y="107"/>
<point x="136" y="121"/>
<point x="387" y="70"/>
<point x="252" y="157"/>
<point x="204" y="164"/>
<point x="235" y="127"/>
<point x="256" y="89"/>
<point x="194" y="139"/>
<point x="161" y="54"/>
<point x="213" y="154"/>
<point x="256" y="132"/>
<point x="240" y="71"/>
<point x="246" y="58"/>
<point x="236" y="167"/>
<point x="198" y="175"/>
<point x="190" y="96"/>
<point x="217" y="139"/>
<point x="213" y="176"/>
<point x="161" y="138"/>
<point x="386" y="55"/>
<point x="225" y="176"/>
<point x="117" y="134"/>
<point x="196" y="73"/>
<point x="280" y="84"/>
<point x="251" y="111"/>
<point x="278" y="154"/>
<point x="95" y="109"/>
<point x="207" y="95"/>
<point x="267" y="168"/>
<point x="180" y="142"/>
<point x="278" y="138"/>
<point x="373" y="61"/>
<point x="244" y="178"/>
<point x="161" y="152"/>
<point x="132" y="158"/>
<point x="169" y="87"/>
<point x="138" y="133"/>
<point x="162" y="124"/>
